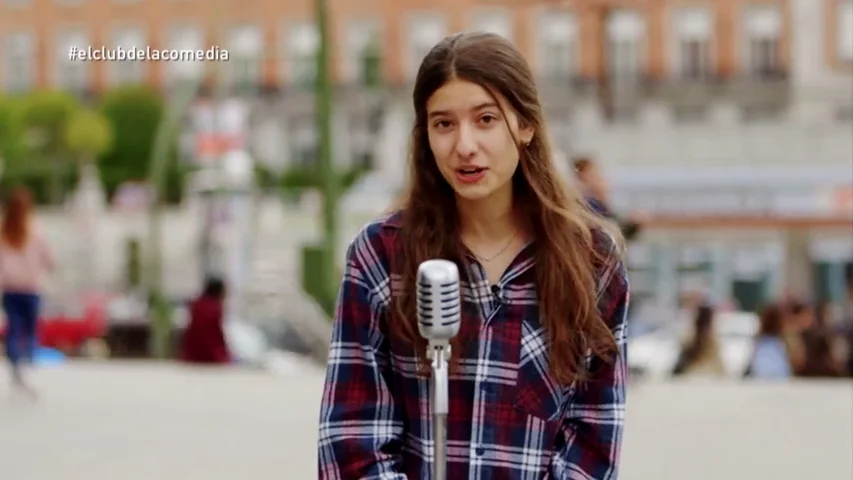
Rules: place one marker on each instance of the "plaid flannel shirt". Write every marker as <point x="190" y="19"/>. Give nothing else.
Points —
<point x="509" y="419"/>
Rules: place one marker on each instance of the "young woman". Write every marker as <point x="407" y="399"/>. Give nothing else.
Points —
<point x="771" y="358"/>
<point x="701" y="357"/>
<point x="25" y="259"/>
<point x="538" y="369"/>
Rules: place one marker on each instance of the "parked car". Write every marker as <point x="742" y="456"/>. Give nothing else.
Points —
<point x="74" y="325"/>
<point x="653" y="351"/>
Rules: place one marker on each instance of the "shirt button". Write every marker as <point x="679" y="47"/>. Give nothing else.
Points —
<point x="496" y="291"/>
<point x="480" y="451"/>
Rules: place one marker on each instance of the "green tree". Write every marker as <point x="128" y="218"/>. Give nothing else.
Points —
<point x="134" y="113"/>
<point x="45" y="116"/>
<point x="88" y="135"/>
<point x="12" y="146"/>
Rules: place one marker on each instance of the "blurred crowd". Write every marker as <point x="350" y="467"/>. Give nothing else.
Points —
<point x="795" y="338"/>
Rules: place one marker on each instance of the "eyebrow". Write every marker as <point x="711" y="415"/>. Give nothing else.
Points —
<point x="481" y="106"/>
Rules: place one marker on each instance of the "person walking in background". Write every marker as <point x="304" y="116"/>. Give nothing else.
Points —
<point x="823" y="344"/>
<point x="821" y="360"/>
<point x="597" y="196"/>
<point x="847" y="323"/>
<point x="702" y="355"/>
<point x="770" y="358"/>
<point x="798" y="317"/>
<point x="204" y="338"/>
<point x="25" y="260"/>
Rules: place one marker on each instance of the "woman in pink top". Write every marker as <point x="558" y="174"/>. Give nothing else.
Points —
<point x="25" y="259"/>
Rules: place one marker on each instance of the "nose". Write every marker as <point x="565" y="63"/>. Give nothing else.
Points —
<point x="466" y="145"/>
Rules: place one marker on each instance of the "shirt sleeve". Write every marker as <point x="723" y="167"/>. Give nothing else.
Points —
<point x="361" y="428"/>
<point x="591" y="430"/>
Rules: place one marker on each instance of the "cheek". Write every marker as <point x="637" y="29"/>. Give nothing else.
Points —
<point x="440" y="150"/>
<point x="503" y="149"/>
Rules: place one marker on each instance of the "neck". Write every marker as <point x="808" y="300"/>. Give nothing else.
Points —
<point x="489" y="218"/>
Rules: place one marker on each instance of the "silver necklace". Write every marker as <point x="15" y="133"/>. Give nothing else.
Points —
<point x="502" y="250"/>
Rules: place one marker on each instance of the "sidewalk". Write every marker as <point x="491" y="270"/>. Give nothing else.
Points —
<point x="143" y="421"/>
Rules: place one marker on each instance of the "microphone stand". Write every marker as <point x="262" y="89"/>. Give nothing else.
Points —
<point x="439" y="354"/>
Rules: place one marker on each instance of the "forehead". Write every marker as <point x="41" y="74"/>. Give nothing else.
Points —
<point x="460" y="96"/>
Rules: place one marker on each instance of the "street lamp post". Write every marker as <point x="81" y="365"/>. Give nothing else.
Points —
<point x="330" y="180"/>
<point x="160" y="315"/>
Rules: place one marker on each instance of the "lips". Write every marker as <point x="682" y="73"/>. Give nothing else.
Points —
<point x="470" y="175"/>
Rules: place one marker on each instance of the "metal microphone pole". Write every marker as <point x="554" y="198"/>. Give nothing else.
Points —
<point x="439" y="319"/>
<point x="439" y="356"/>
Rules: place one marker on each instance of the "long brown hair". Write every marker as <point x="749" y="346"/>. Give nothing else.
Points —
<point x="563" y="228"/>
<point x="15" y="228"/>
<point x="771" y="321"/>
<point x="703" y="338"/>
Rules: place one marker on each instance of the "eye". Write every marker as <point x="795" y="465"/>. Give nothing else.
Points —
<point x="488" y="119"/>
<point x="442" y="124"/>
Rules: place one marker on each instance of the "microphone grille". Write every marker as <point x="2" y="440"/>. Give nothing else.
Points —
<point x="438" y="299"/>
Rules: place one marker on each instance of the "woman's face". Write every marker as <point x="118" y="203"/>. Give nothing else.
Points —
<point x="475" y="146"/>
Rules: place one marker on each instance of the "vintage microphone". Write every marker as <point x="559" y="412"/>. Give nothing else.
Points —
<point x="439" y="317"/>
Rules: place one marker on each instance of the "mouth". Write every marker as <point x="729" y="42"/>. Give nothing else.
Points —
<point x="470" y="171"/>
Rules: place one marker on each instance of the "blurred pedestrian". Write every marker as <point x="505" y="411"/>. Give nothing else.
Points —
<point x="847" y="323"/>
<point x="701" y="356"/>
<point x="25" y="260"/>
<point x="798" y="317"/>
<point x="770" y="358"/>
<point x="203" y="340"/>
<point x="820" y="359"/>
<point x="597" y="196"/>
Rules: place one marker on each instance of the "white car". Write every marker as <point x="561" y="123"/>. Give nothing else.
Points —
<point x="653" y="353"/>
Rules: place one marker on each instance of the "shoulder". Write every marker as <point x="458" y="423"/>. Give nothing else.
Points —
<point x="370" y="252"/>
<point x="36" y="233"/>
<point x="377" y="238"/>
<point x="608" y="254"/>
<point x="611" y="278"/>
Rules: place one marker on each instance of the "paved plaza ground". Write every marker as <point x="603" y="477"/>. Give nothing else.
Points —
<point x="144" y="421"/>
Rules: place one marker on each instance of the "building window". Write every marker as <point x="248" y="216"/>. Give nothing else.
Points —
<point x="305" y="142"/>
<point x="498" y="22"/>
<point x="845" y="31"/>
<point x="303" y="45"/>
<point x="693" y="29"/>
<point x="71" y="75"/>
<point x="185" y="37"/>
<point x="425" y="31"/>
<point x="556" y="44"/>
<point x="18" y="67"/>
<point x="763" y="38"/>
<point x="626" y="31"/>
<point x="362" y="136"/>
<point x="124" y="72"/>
<point x="243" y="70"/>
<point x="362" y="53"/>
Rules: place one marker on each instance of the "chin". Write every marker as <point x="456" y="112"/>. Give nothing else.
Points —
<point x="473" y="192"/>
